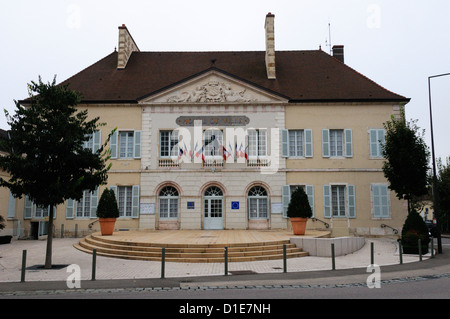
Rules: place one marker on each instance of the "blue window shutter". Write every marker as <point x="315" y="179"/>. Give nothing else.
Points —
<point x="325" y="143"/>
<point x="114" y="144"/>
<point x="70" y="208"/>
<point x="94" y="203"/>
<point x="381" y="141"/>
<point x="373" y="136"/>
<point x="137" y="144"/>
<point x="310" y="193"/>
<point x="308" y="143"/>
<point x="326" y="201"/>
<point x="11" y="205"/>
<point x="348" y="143"/>
<point x="135" y="202"/>
<point x="28" y="212"/>
<point x="286" y="198"/>
<point x="351" y="201"/>
<point x="385" y="201"/>
<point x="284" y="143"/>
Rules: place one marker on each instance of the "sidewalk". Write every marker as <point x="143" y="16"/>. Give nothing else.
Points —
<point x="120" y="272"/>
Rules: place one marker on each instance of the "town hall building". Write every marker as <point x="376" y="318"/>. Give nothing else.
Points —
<point x="219" y="140"/>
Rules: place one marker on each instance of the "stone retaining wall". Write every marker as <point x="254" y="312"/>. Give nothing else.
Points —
<point x="321" y="247"/>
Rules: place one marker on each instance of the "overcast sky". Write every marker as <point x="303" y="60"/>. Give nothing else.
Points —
<point x="396" y="43"/>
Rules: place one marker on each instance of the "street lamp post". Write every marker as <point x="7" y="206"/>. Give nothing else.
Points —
<point x="435" y="191"/>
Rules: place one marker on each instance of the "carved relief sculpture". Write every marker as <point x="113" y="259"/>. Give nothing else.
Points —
<point x="211" y="92"/>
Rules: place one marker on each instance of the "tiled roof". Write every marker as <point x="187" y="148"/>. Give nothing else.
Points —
<point x="301" y="76"/>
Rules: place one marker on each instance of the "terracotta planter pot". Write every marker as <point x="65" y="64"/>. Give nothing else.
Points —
<point x="298" y="225"/>
<point x="107" y="226"/>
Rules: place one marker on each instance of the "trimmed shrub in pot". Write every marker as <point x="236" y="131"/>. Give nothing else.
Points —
<point x="107" y="212"/>
<point x="299" y="211"/>
<point x="414" y="229"/>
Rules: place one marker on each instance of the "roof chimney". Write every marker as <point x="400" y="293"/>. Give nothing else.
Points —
<point x="270" y="46"/>
<point x="338" y="52"/>
<point x="126" y="47"/>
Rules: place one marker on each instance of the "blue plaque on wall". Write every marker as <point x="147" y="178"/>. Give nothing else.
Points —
<point x="234" y="205"/>
<point x="190" y="205"/>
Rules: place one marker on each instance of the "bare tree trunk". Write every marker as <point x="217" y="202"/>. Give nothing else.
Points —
<point x="48" y="253"/>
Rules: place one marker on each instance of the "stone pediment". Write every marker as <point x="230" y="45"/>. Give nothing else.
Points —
<point x="213" y="87"/>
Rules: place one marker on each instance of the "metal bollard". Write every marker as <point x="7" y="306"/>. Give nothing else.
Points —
<point x="76" y="231"/>
<point x="432" y="248"/>
<point x="333" y="263"/>
<point x="62" y="230"/>
<point x="163" y="263"/>
<point x="24" y="262"/>
<point x="226" y="261"/>
<point x="284" y="258"/>
<point x="372" y="257"/>
<point x="400" y="251"/>
<point x="420" y="250"/>
<point x="94" y="263"/>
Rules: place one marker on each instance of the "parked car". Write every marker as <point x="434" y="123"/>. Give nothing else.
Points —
<point x="432" y="229"/>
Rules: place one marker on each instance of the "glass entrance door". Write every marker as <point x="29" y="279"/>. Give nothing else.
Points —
<point x="213" y="208"/>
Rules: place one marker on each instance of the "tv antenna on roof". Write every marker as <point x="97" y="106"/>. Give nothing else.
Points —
<point x="328" y="42"/>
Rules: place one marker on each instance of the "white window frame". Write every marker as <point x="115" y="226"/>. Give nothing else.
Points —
<point x="135" y="200"/>
<point x="172" y="142"/>
<point x="257" y="143"/>
<point x="260" y="199"/>
<point x="209" y="146"/>
<point x="126" y="142"/>
<point x="336" y="209"/>
<point x="296" y="142"/>
<point x="170" y="199"/>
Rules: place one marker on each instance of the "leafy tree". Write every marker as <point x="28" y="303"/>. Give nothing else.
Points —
<point x="47" y="160"/>
<point x="407" y="158"/>
<point x="443" y="185"/>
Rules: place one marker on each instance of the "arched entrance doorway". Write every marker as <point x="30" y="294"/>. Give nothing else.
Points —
<point x="213" y="208"/>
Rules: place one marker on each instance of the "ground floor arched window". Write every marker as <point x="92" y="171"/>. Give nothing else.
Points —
<point x="258" y="203"/>
<point x="168" y="203"/>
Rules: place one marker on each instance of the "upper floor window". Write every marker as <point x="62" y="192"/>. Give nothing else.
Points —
<point x="257" y="143"/>
<point x="126" y="145"/>
<point x="377" y="140"/>
<point x="168" y="142"/>
<point x="94" y="142"/>
<point x="337" y="143"/>
<point x="213" y="142"/>
<point x="297" y="143"/>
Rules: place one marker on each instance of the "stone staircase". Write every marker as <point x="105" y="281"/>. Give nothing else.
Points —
<point x="189" y="253"/>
